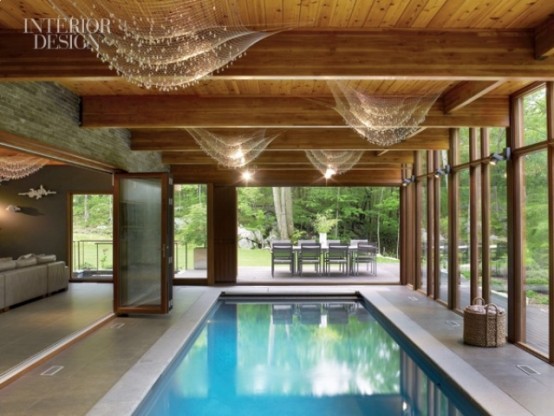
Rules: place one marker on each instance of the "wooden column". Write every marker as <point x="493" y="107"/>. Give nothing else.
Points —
<point x="222" y="234"/>
<point x="430" y="222"/>
<point x="417" y="221"/>
<point x="453" y="223"/>
<point x="485" y="217"/>
<point x="436" y="228"/>
<point x="516" y="311"/>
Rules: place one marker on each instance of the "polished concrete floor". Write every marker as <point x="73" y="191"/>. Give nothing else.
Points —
<point x="72" y="382"/>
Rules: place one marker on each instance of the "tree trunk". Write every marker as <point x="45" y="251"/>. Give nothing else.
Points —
<point x="282" y="200"/>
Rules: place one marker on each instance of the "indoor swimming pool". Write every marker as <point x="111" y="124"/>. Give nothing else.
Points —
<point x="301" y="356"/>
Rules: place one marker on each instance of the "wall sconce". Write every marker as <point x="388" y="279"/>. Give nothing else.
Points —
<point x="13" y="208"/>
<point x="407" y="181"/>
<point x="442" y="171"/>
<point x="499" y="157"/>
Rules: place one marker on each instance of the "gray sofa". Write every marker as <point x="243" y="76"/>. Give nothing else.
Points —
<point x="30" y="280"/>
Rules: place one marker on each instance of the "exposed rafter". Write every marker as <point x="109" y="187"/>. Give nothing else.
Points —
<point x="478" y="55"/>
<point x="544" y="39"/>
<point x="291" y="140"/>
<point x="466" y="92"/>
<point x="288" y="113"/>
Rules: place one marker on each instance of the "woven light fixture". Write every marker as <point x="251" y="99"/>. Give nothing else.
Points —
<point x="17" y="167"/>
<point x="333" y="162"/>
<point x="232" y="151"/>
<point x="165" y="44"/>
<point x="383" y="121"/>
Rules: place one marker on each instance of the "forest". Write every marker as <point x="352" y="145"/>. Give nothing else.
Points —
<point x="266" y="213"/>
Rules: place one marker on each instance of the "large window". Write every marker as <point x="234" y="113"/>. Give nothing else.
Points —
<point x="443" y="238"/>
<point x="535" y="249"/>
<point x="424" y="235"/>
<point x="464" y="242"/>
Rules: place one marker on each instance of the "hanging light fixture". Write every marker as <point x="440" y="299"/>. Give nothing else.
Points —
<point x="17" y="167"/>
<point x="165" y="44"/>
<point x="333" y="162"/>
<point x="232" y="151"/>
<point x="383" y="121"/>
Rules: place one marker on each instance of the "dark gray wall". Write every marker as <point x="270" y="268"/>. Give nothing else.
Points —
<point x="42" y="225"/>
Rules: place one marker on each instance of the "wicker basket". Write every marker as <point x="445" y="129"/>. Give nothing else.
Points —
<point x="484" y="325"/>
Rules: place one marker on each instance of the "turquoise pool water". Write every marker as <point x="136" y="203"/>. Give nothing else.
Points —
<point x="305" y="357"/>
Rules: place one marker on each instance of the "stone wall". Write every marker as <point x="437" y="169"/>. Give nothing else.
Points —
<point x="49" y="114"/>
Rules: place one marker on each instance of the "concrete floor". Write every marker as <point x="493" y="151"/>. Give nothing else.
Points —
<point x="84" y="373"/>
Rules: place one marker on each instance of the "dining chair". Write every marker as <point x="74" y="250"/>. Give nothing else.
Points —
<point x="337" y="254"/>
<point x="310" y="253"/>
<point x="282" y="253"/>
<point x="366" y="254"/>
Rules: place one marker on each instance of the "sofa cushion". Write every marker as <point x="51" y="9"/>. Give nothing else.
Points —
<point x="26" y="256"/>
<point x="5" y="259"/>
<point x="45" y="258"/>
<point x="26" y="262"/>
<point x="7" y="265"/>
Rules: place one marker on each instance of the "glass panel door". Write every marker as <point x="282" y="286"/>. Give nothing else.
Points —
<point x="143" y="243"/>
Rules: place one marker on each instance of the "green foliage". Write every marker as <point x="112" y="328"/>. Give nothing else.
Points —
<point x="93" y="213"/>
<point x="256" y="211"/>
<point x="191" y="222"/>
<point x="324" y="224"/>
<point x="353" y="212"/>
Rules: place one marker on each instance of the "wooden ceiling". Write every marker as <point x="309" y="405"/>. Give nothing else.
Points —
<point x="474" y="53"/>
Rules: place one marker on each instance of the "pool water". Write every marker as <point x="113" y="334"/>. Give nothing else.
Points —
<point x="297" y="358"/>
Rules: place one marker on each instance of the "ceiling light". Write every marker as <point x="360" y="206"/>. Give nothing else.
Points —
<point x="247" y="175"/>
<point x="329" y="173"/>
<point x="13" y="208"/>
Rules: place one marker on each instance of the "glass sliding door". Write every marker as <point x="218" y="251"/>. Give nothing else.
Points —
<point x="144" y="241"/>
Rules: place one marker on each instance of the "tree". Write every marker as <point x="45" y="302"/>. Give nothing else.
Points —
<point x="282" y="199"/>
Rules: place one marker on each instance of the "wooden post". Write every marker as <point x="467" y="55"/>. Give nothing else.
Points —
<point x="453" y="223"/>
<point x="485" y="217"/>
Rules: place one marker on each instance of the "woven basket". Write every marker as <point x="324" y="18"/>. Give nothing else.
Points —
<point x="484" y="325"/>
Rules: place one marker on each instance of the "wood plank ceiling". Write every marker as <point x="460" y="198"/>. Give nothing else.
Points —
<point x="474" y="53"/>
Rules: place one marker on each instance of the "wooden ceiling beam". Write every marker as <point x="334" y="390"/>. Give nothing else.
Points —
<point x="291" y="177"/>
<point x="466" y="92"/>
<point x="290" y="140"/>
<point x="283" y="158"/>
<point x="157" y="111"/>
<point x="544" y="39"/>
<point x="444" y="55"/>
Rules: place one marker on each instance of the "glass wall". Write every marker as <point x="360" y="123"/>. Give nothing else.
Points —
<point x="535" y="250"/>
<point x="424" y="234"/>
<point x="490" y="167"/>
<point x="443" y="228"/>
<point x="534" y="117"/>
<point x="464" y="243"/>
